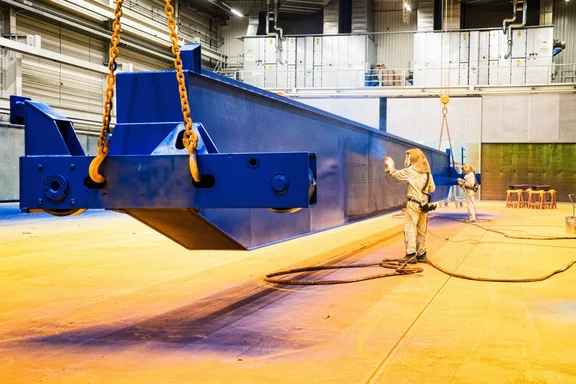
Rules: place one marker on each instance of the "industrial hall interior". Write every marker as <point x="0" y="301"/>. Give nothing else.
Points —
<point x="288" y="191"/>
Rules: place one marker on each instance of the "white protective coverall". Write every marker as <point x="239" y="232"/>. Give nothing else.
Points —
<point x="415" y="223"/>
<point x="468" y="184"/>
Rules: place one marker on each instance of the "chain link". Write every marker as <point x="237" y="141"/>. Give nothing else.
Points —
<point x="445" y="124"/>
<point x="190" y="138"/>
<point x="104" y="138"/>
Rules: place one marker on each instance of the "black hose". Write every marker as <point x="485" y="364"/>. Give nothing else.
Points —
<point x="399" y="266"/>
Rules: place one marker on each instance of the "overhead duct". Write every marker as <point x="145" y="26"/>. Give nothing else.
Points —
<point x="518" y="5"/>
<point x="362" y="16"/>
<point x="302" y="6"/>
<point x="274" y="11"/>
<point x="330" y="19"/>
<point x="345" y="16"/>
<point x="349" y="16"/>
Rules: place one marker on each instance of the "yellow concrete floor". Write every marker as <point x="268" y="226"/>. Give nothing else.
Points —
<point x="100" y="298"/>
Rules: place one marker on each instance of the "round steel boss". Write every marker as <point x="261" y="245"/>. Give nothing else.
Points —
<point x="55" y="187"/>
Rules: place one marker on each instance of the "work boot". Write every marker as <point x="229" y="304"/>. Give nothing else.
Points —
<point x="422" y="258"/>
<point x="410" y="259"/>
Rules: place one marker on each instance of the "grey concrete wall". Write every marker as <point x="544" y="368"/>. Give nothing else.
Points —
<point x="420" y="120"/>
<point x="545" y="118"/>
<point x="12" y="147"/>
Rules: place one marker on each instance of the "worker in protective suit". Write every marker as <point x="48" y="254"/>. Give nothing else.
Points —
<point x="420" y="184"/>
<point x="470" y="186"/>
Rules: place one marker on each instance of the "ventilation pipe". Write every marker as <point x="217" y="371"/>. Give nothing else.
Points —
<point x="518" y="5"/>
<point x="267" y="17"/>
<point x="513" y="19"/>
<point x="273" y="16"/>
<point x="278" y="29"/>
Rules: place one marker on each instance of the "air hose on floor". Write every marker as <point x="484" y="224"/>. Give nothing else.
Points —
<point x="400" y="268"/>
<point x="532" y="237"/>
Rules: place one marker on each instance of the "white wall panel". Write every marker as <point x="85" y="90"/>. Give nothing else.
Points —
<point x="522" y="119"/>
<point x="420" y="119"/>
<point x="567" y="118"/>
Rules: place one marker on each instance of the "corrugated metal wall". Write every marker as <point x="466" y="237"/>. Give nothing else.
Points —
<point x="395" y="50"/>
<point x="534" y="164"/>
<point x="237" y="26"/>
<point x="65" y="86"/>
<point x="61" y="85"/>
<point x="141" y="62"/>
<point x="564" y="21"/>
<point x="193" y="24"/>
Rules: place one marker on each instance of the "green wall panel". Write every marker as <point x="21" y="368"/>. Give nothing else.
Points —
<point x="534" y="164"/>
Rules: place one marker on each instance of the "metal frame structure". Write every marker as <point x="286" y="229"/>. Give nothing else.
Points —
<point x="276" y="156"/>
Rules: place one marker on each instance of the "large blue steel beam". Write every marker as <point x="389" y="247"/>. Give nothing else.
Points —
<point x="309" y="146"/>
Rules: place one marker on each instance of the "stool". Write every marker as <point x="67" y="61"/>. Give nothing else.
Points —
<point x="534" y="202"/>
<point x="552" y="202"/>
<point x="514" y="203"/>
<point x="524" y="201"/>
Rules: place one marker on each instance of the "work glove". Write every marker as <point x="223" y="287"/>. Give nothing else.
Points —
<point x="388" y="164"/>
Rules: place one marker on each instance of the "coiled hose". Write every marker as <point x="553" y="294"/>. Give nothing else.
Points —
<point x="400" y="266"/>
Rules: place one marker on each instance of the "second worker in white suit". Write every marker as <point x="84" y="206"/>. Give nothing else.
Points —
<point x="420" y="185"/>
<point x="470" y="186"/>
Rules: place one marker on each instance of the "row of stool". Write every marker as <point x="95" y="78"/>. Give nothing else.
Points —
<point x="534" y="199"/>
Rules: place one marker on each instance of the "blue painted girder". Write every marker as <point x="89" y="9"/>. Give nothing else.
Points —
<point x="344" y="157"/>
<point x="351" y="184"/>
<point x="164" y="181"/>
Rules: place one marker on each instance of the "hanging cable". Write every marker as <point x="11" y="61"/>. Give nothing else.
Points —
<point x="445" y="86"/>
